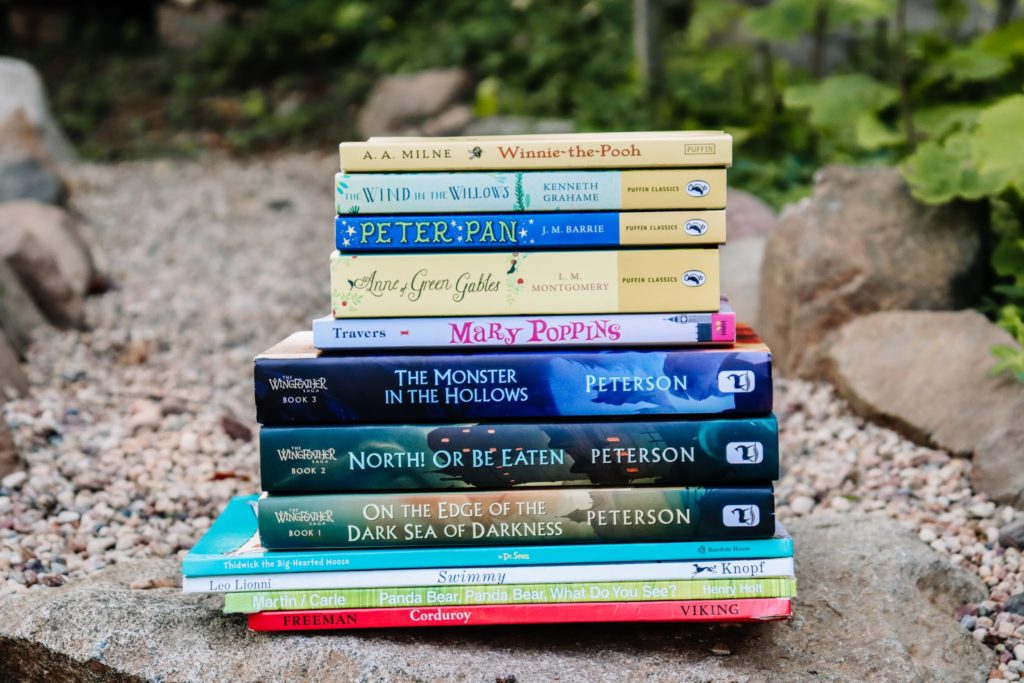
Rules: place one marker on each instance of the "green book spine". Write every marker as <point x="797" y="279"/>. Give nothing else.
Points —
<point x="538" y="517"/>
<point x="439" y="596"/>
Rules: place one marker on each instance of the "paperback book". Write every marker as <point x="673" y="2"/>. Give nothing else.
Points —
<point x="296" y="384"/>
<point x="442" y="596"/>
<point x="513" y="283"/>
<point x="535" y="517"/>
<point x="355" y="233"/>
<point x="505" y="455"/>
<point x="525" y="331"/>
<point x="499" y="575"/>
<point x="602" y="150"/>
<point x="232" y="548"/>
<point x="753" y="609"/>
<point x="515" y="191"/>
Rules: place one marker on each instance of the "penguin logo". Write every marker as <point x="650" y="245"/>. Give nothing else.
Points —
<point x="694" y="278"/>
<point x="741" y="515"/>
<point x="696" y="227"/>
<point x="697" y="188"/>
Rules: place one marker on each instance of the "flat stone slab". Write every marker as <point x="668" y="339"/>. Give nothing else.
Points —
<point x="875" y="604"/>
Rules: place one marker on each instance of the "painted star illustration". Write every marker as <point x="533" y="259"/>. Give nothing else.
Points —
<point x="459" y="228"/>
<point x="351" y="231"/>
<point x="530" y="221"/>
<point x="345" y="242"/>
<point x="531" y="241"/>
<point x="522" y="232"/>
<point x="453" y="222"/>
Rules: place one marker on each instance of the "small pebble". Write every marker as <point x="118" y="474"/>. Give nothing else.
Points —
<point x="720" y="649"/>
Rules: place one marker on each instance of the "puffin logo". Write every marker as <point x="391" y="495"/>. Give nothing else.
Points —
<point x="741" y="515"/>
<point x="695" y="227"/>
<point x="697" y="188"/>
<point x="736" y="381"/>
<point x="744" y="452"/>
<point x="694" y="278"/>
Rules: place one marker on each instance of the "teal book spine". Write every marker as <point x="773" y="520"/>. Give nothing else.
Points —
<point x="538" y="516"/>
<point x="506" y="455"/>
<point x="516" y="191"/>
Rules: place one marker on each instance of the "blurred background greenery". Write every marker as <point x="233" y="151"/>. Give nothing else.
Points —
<point x="932" y="86"/>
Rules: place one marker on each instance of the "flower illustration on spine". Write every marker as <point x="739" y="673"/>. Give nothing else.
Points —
<point x="522" y="199"/>
<point x="345" y="302"/>
<point x="514" y="280"/>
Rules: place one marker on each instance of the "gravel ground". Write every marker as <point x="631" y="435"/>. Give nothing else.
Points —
<point x="138" y="431"/>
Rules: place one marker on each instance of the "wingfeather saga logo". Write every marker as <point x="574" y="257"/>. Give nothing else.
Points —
<point x="744" y="453"/>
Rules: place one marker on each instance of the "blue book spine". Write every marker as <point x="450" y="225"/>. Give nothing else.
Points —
<point x="507" y="455"/>
<point x="296" y="386"/>
<point x="232" y="547"/>
<point x="505" y="191"/>
<point x="356" y="233"/>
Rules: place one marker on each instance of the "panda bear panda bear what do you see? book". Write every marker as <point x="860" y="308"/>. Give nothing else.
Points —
<point x="530" y="403"/>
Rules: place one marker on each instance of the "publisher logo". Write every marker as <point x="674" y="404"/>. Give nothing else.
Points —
<point x="741" y="515"/>
<point x="744" y="452"/>
<point x="695" y="227"/>
<point x="694" y="278"/>
<point x="699" y="149"/>
<point x="697" y="188"/>
<point x="736" y="382"/>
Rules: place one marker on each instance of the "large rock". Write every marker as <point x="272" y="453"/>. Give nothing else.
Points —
<point x="403" y="104"/>
<point x="19" y="315"/>
<point x="876" y="605"/>
<point x="741" y="275"/>
<point x="12" y="379"/>
<point x="43" y="246"/>
<point x="748" y="215"/>
<point x="862" y="244"/>
<point x="925" y="374"/>
<point x="26" y="171"/>
<point x="21" y="88"/>
<point x="518" y="125"/>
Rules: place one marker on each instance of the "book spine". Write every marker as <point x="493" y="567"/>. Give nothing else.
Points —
<point x="528" y="516"/>
<point x="503" y="192"/>
<point x="501" y="456"/>
<point x="496" y="594"/>
<point x="528" y="231"/>
<point x="198" y="568"/>
<point x="614" y="329"/>
<point x="609" y="151"/>
<point x="548" y="613"/>
<point x="343" y="389"/>
<point x="448" y="575"/>
<point x="515" y="283"/>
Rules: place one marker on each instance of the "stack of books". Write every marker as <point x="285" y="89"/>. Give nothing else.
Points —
<point x="530" y="403"/>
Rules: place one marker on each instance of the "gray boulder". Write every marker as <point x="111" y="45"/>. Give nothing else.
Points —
<point x="44" y="248"/>
<point x="404" y="104"/>
<point x="748" y="215"/>
<point x="517" y="125"/>
<point x="924" y="373"/>
<point x="26" y="171"/>
<point x="19" y="315"/>
<point x="862" y="244"/>
<point x="741" y="275"/>
<point x="876" y="605"/>
<point x="22" y="88"/>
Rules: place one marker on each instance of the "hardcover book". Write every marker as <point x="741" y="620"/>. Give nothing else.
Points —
<point x="593" y="150"/>
<point x="232" y="548"/>
<point x="496" y="575"/>
<point x="505" y="191"/>
<point x="524" y="331"/>
<point x="537" y="517"/>
<point x="356" y="233"/>
<point x="752" y="609"/>
<point x="514" y="283"/>
<point x="503" y="594"/>
<point x="295" y="384"/>
<point x="504" y="455"/>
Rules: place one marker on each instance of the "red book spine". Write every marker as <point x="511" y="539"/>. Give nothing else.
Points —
<point x="551" y="613"/>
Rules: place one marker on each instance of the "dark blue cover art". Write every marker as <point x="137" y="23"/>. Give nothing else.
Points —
<point x="295" y="384"/>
